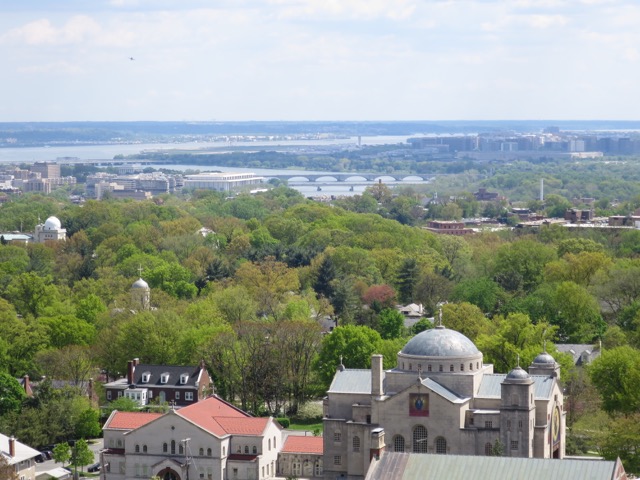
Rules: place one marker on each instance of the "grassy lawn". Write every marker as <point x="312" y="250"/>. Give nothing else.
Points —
<point x="308" y="425"/>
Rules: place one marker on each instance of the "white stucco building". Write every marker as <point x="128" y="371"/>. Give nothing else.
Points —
<point x="223" y="182"/>
<point x="210" y="440"/>
<point x="441" y="399"/>
<point x="50" y="230"/>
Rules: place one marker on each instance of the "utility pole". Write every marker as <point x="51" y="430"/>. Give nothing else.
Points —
<point x="187" y="460"/>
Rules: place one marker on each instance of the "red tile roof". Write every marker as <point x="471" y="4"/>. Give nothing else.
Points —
<point x="221" y="418"/>
<point x="298" y="444"/>
<point x="131" y="420"/>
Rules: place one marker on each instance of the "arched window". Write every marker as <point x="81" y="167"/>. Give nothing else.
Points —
<point x="488" y="449"/>
<point x="144" y="449"/>
<point x="441" y="445"/>
<point x="201" y="452"/>
<point x="420" y="439"/>
<point x="429" y="368"/>
<point x="274" y="441"/>
<point x="246" y="449"/>
<point x="224" y="451"/>
<point x="209" y="452"/>
<point x="318" y="468"/>
<point x="255" y="450"/>
<point x="356" y="444"/>
<point x="164" y="448"/>
<point x="451" y="368"/>
<point x="439" y="368"/>
<point x="398" y="443"/>
<point x="471" y="366"/>
<point x="269" y="444"/>
<point x="296" y="468"/>
<point x="180" y="449"/>
<point x="137" y="448"/>
<point x="173" y="447"/>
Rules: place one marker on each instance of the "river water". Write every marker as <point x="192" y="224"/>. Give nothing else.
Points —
<point x="106" y="153"/>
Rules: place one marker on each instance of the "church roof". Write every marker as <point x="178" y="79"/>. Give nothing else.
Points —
<point x="443" y="391"/>
<point x="130" y="420"/>
<point x="221" y="418"/>
<point x="140" y="283"/>
<point x="407" y="466"/>
<point x="491" y="386"/>
<point x="440" y="342"/>
<point x="299" y="444"/>
<point x="351" y="381"/>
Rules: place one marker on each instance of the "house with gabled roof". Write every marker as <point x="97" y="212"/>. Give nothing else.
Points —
<point x="20" y="456"/>
<point x="175" y="384"/>
<point x="209" y="440"/>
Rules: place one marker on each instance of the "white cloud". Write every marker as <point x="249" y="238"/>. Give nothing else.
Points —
<point x="53" y="68"/>
<point x="41" y="32"/>
<point x="547" y="21"/>
<point x="345" y="9"/>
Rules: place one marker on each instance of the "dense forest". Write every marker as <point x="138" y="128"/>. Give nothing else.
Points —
<point x="250" y="293"/>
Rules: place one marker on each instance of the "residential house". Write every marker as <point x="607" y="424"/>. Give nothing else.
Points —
<point x="21" y="456"/>
<point x="178" y="385"/>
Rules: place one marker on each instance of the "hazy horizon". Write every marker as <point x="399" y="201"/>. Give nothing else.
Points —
<point x="324" y="60"/>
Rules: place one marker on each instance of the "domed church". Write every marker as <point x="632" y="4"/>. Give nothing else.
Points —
<point x="441" y="398"/>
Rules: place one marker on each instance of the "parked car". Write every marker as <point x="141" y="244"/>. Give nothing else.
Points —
<point x="94" y="468"/>
<point x="39" y="458"/>
<point x="47" y="454"/>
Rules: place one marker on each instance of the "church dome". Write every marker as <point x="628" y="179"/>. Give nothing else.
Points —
<point x="140" y="283"/>
<point x="544" y="359"/>
<point x="518" y="374"/>
<point x="52" y="223"/>
<point x="440" y="342"/>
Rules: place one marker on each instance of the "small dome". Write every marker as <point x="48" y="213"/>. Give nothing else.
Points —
<point x="517" y="374"/>
<point x="544" y="359"/>
<point x="52" y="223"/>
<point x="440" y="342"/>
<point x="140" y="283"/>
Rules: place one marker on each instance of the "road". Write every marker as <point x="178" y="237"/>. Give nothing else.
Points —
<point x="94" y="445"/>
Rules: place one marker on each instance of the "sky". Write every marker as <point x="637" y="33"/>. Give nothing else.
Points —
<point x="217" y="60"/>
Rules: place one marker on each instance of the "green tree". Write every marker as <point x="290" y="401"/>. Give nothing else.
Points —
<point x="407" y="279"/>
<point x="391" y="324"/>
<point x="616" y="375"/>
<point x="466" y="319"/>
<point x="622" y="440"/>
<point x="61" y="453"/>
<point x="520" y="264"/>
<point x="123" y="404"/>
<point x="88" y="424"/>
<point x="11" y="394"/>
<point x="81" y="455"/>
<point x="353" y="344"/>
<point x="482" y="292"/>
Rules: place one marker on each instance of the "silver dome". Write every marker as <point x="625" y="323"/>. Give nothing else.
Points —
<point x="517" y="374"/>
<point x="440" y="342"/>
<point x="52" y="223"/>
<point x="544" y="359"/>
<point x="140" y="283"/>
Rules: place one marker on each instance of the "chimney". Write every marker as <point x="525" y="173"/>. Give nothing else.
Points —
<point x="130" y="370"/>
<point x="27" y="386"/>
<point x="376" y="375"/>
<point x="12" y="447"/>
<point x="136" y="362"/>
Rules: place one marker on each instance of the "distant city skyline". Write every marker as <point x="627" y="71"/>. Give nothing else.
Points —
<point x="229" y="60"/>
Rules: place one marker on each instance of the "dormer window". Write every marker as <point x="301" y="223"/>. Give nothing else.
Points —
<point x="145" y="377"/>
<point x="164" y="378"/>
<point x="184" y="378"/>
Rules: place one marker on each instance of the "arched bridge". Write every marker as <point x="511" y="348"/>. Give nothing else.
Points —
<point x="349" y="177"/>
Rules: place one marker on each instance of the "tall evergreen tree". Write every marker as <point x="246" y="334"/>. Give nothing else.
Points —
<point x="407" y="279"/>
<point x="326" y="274"/>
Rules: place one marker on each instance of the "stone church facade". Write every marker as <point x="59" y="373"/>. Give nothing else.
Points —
<point x="441" y="399"/>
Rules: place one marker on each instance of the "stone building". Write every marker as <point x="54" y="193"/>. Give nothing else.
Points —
<point x="50" y="230"/>
<point x="441" y="398"/>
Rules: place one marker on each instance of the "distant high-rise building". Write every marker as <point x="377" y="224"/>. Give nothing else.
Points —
<point x="46" y="169"/>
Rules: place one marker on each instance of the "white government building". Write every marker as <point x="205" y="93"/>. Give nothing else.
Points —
<point x="441" y="398"/>
<point x="224" y="181"/>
